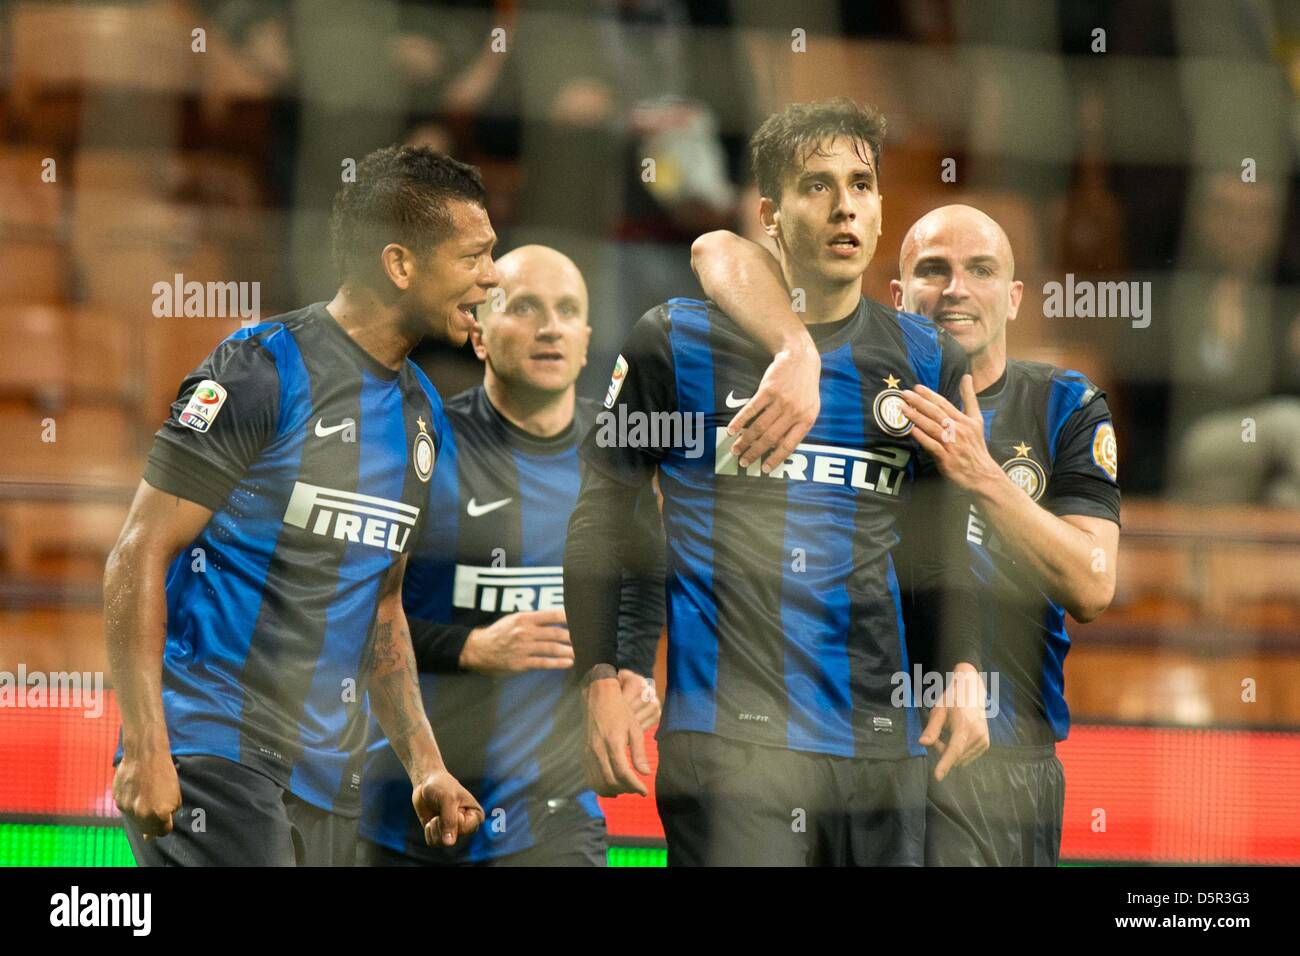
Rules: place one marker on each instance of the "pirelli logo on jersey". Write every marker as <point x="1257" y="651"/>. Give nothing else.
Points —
<point x="348" y="516"/>
<point x="879" y="470"/>
<point x="506" y="590"/>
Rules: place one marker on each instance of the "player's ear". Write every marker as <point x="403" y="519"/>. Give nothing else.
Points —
<point x="476" y="337"/>
<point x="1017" y="292"/>
<point x="770" y="217"/>
<point x="586" y="343"/>
<point x="896" y="290"/>
<point x="880" y="220"/>
<point x="398" y="264"/>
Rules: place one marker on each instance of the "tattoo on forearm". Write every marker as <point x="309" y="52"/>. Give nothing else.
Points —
<point x="395" y="686"/>
<point x="382" y="657"/>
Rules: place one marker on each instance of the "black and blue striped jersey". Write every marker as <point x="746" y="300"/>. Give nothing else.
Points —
<point x="785" y="620"/>
<point x="493" y="544"/>
<point x="314" y="459"/>
<point x="1051" y="431"/>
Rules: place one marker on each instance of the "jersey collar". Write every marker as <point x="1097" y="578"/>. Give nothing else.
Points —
<point x="323" y="319"/>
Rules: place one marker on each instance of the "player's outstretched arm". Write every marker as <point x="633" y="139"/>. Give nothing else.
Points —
<point x="641" y="614"/>
<point x="945" y="601"/>
<point x="446" y="809"/>
<point x="145" y="786"/>
<point x="1073" y="556"/>
<point x="595" y="561"/>
<point x="958" y="727"/>
<point x="746" y="283"/>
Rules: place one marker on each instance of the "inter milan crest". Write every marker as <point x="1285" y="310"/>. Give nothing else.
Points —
<point x="888" y="409"/>
<point x="1026" y="472"/>
<point x="423" y="452"/>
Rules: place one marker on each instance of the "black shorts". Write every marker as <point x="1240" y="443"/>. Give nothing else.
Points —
<point x="233" y="816"/>
<point x="565" y="835"/>
<point x="1005" y="809"/>
<point x="724" y="802"/>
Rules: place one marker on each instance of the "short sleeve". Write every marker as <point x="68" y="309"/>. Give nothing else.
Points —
<point x="225" y="412"/>
<point x="1085" y="470"/>
<point x="643" y="382"/>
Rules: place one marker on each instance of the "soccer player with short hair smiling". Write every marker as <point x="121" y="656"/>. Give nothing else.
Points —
<point x="1034" y="447"/>
<point x="780" y="743"/>
<point x="296" y="461"/>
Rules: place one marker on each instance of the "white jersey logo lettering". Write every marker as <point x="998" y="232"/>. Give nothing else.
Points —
<point x="348" y="516"/>
<point x="506" y="590"/>
<point x="880" y="470"/>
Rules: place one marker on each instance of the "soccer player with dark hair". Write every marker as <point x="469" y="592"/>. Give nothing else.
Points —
<point x="1034" y="447"/>
<point x="484" y="594"/>
<point x="780" y="742"/>
<point x="253" y="600"/>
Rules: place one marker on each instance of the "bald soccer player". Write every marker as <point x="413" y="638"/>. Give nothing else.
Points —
<point x="1035" y="449"/>
<point x="485" y="598"/>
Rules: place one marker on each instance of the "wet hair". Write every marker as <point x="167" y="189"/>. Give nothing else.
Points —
<point x="786" y="139"/>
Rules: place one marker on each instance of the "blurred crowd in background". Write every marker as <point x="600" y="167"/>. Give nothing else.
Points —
<point x="1108" y="136"/>
<point x="1122" y="164"/>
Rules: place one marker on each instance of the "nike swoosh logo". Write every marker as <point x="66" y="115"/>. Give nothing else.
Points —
<point x="475" y="509"/>
<point x="734" y="402"/>
<point x="323" y="432"/>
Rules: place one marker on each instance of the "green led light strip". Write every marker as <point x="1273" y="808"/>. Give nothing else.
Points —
<point x="28" y="844"/>
<point x="637" y="856"/>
